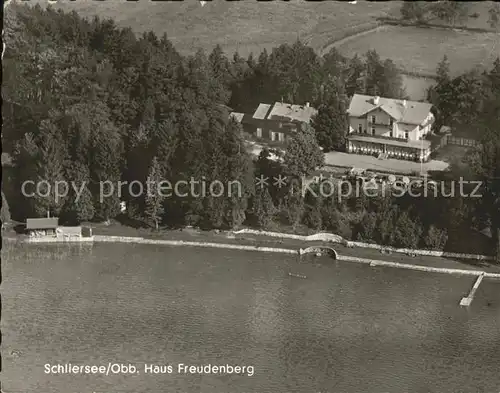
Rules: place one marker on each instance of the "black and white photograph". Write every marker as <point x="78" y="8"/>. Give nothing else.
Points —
<point x="282" y="196"/>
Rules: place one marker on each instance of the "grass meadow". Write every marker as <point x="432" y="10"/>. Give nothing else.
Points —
<point x="418" y="50"/>
<point x="246" y="26"/>
<point x="251" y="26"/>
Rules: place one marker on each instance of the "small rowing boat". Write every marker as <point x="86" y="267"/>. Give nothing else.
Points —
<point x="297" y="275"/>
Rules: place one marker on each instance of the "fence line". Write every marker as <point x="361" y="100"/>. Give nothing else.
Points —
<point x="460" y="141"/>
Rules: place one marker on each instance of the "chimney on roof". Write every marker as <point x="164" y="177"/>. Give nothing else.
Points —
<point x="376" y="100"/>
<point x="307" y="105"/>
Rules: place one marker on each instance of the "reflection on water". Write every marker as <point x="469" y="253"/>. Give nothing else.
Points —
<point x="416" y="87"/>
<point x="346" y="328"/>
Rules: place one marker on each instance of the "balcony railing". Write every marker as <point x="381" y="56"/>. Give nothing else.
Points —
<point x="388" y="138"/>
<point x="379" y="123"/>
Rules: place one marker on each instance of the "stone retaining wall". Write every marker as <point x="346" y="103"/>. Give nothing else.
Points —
<point x="324" y="237"/>
<point x="329" y="237"/>
<point x="374" y="262"/>
<point x="371" y="262"/>
<point x="430" y="253"/>
<point x="60" y="239"/>
<point x="140" y="240"/>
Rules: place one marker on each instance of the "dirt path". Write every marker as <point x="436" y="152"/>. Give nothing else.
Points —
<point x="327" y="47"/>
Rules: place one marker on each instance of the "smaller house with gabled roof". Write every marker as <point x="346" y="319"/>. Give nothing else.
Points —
<point x="389" y="127"/>
<point x="275" y="122"/>
<point x="48" y="229"/>
<point x="36" y="227"/>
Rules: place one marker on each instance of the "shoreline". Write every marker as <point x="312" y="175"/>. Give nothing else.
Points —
<point x="299" y="252"/>
<point x="281" y="243"/>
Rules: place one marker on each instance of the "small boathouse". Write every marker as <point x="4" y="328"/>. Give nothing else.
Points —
<point x="48" y="229"/>
<point x="38" y="227"/>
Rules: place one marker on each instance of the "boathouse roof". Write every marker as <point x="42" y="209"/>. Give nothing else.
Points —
<point x="42" y="223"/>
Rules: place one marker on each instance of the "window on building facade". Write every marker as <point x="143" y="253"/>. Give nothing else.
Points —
<point x="259" y="132"/>
<point x="391" y="134"/>
<point x="281" y="136"/>
<point x="407" y="134"/>
<point x="374" y="119"/>
<point x="273" y="137"/>
<point x="391" y="122"/>
<point x="360" y="128"/>
<point x="373" y="130"/>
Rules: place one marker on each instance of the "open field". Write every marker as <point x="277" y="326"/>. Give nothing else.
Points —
<point x="418" y="50"/>
<point x="246" y="26"/>
<point x="474" y="7"/>
<point x="252" y="26"/>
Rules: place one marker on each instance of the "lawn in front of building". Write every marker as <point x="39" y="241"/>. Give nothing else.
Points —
<point x="336" y="158"/>
<point x="389" y="165"/>
<point x="455" y="156"/>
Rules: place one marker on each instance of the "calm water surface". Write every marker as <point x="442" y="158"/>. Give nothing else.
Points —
<point x="417" y="87"/>
<point x="346" y="328"/>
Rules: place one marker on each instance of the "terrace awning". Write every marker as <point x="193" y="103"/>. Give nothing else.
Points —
<point x="422" y="144"/>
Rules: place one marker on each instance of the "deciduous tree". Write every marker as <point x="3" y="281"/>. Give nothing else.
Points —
<point x="303" y="154"/>
<point x="330" y="124"/>
<point x="435" y="238"/>
<point x="414" y="10"/>
<point x="450" y="11"/>
<point x="407" y="231"/>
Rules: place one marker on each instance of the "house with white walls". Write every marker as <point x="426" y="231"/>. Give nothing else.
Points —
<point x="389" y="127"/>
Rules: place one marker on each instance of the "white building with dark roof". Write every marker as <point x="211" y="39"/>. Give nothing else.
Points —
<point x="276" y="122"/>
<point x="390" y="127"/>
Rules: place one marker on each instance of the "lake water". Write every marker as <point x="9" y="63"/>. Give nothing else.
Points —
<point x="346" y="328"/>
<point x="417" y="87"/>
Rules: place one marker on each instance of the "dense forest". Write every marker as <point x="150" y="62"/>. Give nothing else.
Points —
<point x="87" y="102"/>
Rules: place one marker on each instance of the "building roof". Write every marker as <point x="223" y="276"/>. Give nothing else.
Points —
<point x="425" y="144"/>
<point x="261" y="112"/>
<point x="237" y="116"/>
<point x="42" y="223"/>
<point x="285" y="112"/>
<point x="410" y="112"/>
<point x="242" y="118"/>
